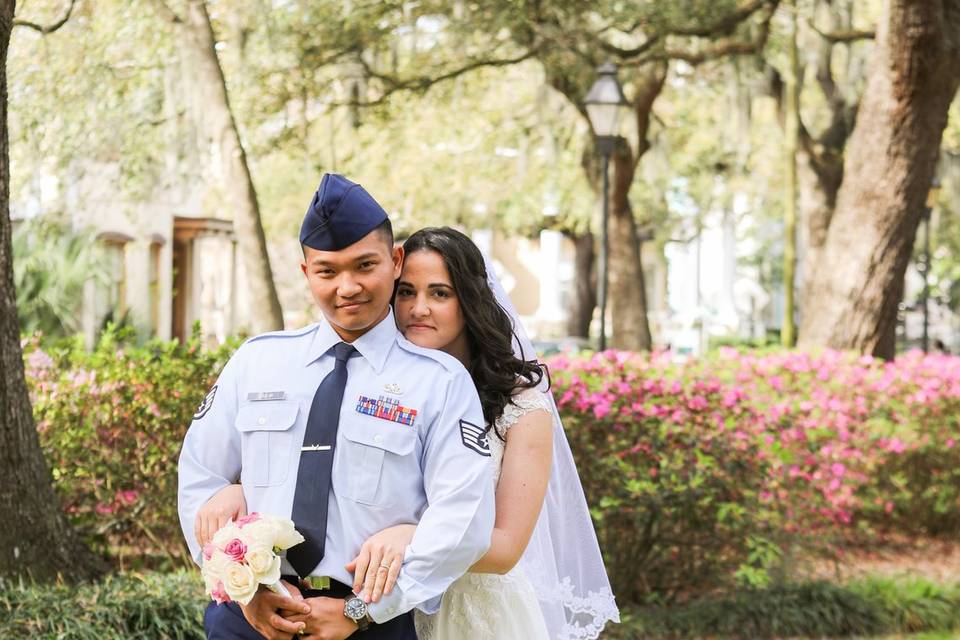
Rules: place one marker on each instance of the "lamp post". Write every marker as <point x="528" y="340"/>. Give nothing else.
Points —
<point x="927" y="210"/>
<point x="605" y="103"/>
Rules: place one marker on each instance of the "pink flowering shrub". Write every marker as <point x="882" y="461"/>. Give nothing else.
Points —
<point x="111" y="423"/>
<point x="713" y="471"/>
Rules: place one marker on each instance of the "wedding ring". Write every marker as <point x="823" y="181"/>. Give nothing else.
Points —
<point x="384" y="565"/>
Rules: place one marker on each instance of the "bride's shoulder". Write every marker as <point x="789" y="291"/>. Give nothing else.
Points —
<point x="523" y="401"/>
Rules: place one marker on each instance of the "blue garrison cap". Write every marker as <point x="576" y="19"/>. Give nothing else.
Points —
<point x="340" y="213"/>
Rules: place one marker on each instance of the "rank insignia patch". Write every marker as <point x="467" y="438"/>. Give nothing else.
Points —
<point x="386" y="409"/>
<point x="474" y="438"/>
<point x="394" y="388"/>
<point x="206" y="404"/>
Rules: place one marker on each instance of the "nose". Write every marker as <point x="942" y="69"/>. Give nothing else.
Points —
<point x="420" y="307"/>
<point x="347" y="286"/>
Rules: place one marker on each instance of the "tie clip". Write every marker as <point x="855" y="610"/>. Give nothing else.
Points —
<point x="316" y="447"/>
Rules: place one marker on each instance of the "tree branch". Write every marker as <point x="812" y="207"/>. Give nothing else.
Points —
<point x="844" y="35"/>
<point x="422" y="83"/>
<point x="44" y="30"/>
<point x="725" y="25"/>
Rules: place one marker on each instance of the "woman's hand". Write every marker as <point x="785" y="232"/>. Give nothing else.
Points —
<point x="376" y="567"/>
<point x="225" y="505"/>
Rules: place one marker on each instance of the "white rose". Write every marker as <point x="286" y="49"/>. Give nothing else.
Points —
<point x="225" y="534"/>
<point x="264" y="563"/>
<point x="214" y="570"/>
<point x="286" y="535"/>
<point x="240" y="583"/>
<point x="258" y="534"/>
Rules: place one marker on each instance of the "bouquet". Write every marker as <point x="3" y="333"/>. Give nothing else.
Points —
<point x="244" y="554"/>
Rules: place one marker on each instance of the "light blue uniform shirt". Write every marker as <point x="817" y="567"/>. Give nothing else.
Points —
<point x="390" y="467"/>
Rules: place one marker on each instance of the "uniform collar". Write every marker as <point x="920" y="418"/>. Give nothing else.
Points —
<point x="374" y="345"/>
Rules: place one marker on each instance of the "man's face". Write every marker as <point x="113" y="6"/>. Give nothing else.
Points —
<point x="353" y="286"/>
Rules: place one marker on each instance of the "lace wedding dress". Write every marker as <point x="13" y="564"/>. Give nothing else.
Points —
<point x="486" y="605"/>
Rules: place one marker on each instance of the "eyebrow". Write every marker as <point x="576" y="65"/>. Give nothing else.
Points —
<point x="432" y="285"/>
<point x="318" y="261"/>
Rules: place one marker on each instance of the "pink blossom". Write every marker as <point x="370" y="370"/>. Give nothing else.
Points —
<point x="235" y="550"/>
<point x="208" y="550"/>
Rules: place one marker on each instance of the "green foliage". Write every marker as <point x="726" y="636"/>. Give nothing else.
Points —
<point x="153" y="605"/>
<point x="111" y="423"/>
<point x="817" y="609"/>
<point x="171" y="606"/>
<point x="51" y="265"/>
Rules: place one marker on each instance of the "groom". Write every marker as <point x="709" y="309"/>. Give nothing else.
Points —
<point x="348" y="429"/>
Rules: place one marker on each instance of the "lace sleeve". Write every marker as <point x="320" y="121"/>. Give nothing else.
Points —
<point x="525" y="402"/>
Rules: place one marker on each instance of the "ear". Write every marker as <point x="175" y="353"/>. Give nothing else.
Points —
<point x="303" y="267"/>
<point x="397" y="261"/>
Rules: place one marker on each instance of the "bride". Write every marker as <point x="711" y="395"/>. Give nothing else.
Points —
<point x="543" y="577"/>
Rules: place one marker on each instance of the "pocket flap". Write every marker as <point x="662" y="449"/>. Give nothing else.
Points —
<point x="389" y="436"/>
<point x="267" y="416"/>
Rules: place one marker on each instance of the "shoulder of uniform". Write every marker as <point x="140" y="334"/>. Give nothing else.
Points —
<point x="445" y="360"/>
<point x="281" y="335"/>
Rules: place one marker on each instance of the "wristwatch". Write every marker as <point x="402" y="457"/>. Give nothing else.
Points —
<point x="356" y="609"/>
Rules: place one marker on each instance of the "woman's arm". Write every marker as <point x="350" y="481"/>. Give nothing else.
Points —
<point x="527" y="457"/>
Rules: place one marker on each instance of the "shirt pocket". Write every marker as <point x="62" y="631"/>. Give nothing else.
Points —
<point x="267" y="430"/>
<point x="373" y="456"/>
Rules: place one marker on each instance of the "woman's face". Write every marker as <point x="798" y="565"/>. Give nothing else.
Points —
<point x="427" y="308"/>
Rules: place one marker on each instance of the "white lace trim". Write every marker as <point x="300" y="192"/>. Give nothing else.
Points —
<point x="586" y="615"/>
<point x="525" y="402"/>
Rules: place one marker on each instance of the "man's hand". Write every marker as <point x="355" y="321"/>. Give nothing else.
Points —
<point x="325" y="620"/>
<point x="262" y="613"/>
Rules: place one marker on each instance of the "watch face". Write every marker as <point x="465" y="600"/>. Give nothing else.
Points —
<point x="355" y="608"/>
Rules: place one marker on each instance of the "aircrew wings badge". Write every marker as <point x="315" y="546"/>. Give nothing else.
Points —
<point x="206" y="404"/>
<point x="474" y="438"/>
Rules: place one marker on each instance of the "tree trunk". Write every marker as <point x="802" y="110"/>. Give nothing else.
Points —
<point x="628" y="299"/>
<point x="628" y="295"/>
<point x="36" y="541"/>
<point x="889" y="165"/>
<point x="219" y="131"/>
<point x="791" y="137"/>
<point x="585" y="284"/>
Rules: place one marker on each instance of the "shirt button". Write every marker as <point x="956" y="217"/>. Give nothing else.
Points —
<point x="262" y="420"/>
<point x="378" y="438"/>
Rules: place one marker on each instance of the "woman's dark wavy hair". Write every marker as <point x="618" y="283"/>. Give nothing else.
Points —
<point x="497" y="373"/>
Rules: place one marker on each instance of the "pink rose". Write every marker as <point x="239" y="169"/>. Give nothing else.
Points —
<point x="235" y="550"/>
<point x="208" y="550"/>
<point x="219" y="594"/>
<point x="247" y="519"/>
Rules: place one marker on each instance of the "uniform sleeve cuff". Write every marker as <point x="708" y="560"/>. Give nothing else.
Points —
<point x="389" y="606"/>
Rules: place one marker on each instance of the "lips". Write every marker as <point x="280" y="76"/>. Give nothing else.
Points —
<point x="352" y="305"/>
<point x="418" y="326"/>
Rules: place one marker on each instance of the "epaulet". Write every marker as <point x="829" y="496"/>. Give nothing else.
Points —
<point x="292" y="333"/>
<point x="448" y="362"/>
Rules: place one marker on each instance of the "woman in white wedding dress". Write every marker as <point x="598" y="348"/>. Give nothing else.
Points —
<point x="443" y="301"/>
<point x="543" y="577"/>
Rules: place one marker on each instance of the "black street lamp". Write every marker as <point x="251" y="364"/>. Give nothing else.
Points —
<point x="927" y="210"/>
<point x="605" y="104"/>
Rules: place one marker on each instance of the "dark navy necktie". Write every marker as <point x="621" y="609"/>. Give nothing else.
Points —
<point x="316" y="463"/>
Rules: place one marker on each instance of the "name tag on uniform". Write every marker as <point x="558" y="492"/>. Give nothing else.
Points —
<point x="386" y="409"/>
<point x="264" y="396"/>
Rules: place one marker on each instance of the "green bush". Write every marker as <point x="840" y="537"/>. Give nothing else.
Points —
<point x="876" y="606"/>
<point x="111" y="423"/>
<point x="151" y="606"/>
<point x="170" y="606"/>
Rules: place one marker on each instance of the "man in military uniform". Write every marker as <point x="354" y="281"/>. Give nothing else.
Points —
<point x="347" y="428"/>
